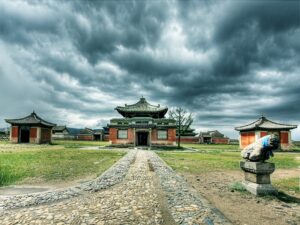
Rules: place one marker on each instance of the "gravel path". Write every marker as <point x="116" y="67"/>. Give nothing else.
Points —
<point x="150" y="193"/>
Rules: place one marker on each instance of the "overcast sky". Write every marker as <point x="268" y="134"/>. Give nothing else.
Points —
<point x="227" y="62"/>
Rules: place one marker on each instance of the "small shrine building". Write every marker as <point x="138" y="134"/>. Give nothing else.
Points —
<point x="251" y="132"/>
<point x="142" y="124"/>
<point x="30" y="129"/>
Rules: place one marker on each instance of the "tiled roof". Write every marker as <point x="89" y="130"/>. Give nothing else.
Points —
<point x="59" y="128"/>
<point x="87" y="131"/>
<point x="142" y="106"/>
<point x="213" y="133"/>
<point x="264" y="123"/>
<point x="32" y="119"/>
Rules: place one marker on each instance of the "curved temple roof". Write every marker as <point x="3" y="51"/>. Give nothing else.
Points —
<point x="142" y="108"/>
<point x="264" y="123"/>
<point x="32" y="119"/>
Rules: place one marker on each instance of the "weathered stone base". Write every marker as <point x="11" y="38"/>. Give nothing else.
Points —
<point x="259" y="189"/>
<point x="257" y="177"/>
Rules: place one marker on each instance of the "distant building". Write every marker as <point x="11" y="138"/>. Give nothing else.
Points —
<point x="213" y="137"/>
<point x="60" y="132"/>
<point x="30" y="129"/>
<point x="189" y="136"/>
<point x="88" y="134"/>
<point x="142" y="124"/>
<point x="251" y="132"/>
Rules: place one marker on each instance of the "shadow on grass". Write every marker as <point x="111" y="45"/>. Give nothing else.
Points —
<point x="168" y="148"/>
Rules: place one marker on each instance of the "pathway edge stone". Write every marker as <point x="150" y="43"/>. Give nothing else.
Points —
<point x="112" y="176"/>
<point x="186" y="205"/>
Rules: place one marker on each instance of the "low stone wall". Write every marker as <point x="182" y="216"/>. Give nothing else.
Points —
<point x="112" y="176"/>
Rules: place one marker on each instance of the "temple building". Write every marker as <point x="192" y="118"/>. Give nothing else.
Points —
<point x="30" y="129"/>
<point x="60" y="132"/>
<point x="251" y="132"/>
<point x="142" y="124"/>
<point x="88" y="134"/>
<point x="213" y="137"/>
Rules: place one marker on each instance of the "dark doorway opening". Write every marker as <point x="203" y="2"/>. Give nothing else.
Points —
<point x="97" y="137"/>
<point x="24" y="134"/>
<point x="207" y="140"/>
<point x="142" y="138"/>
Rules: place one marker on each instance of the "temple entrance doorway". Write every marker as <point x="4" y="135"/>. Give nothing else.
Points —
<point x="24" y="134"/>
<point x="142" y="138"/>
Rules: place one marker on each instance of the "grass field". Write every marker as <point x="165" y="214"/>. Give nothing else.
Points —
<point x="78" y="144"/>
<point x="214" y="161"/>
<point x="224" y="148"/>
<point x="213" y="147"/>
<point x="59" y="162"/>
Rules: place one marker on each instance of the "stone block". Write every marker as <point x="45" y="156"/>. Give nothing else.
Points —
<point x="259" y="189"/>
<point x="257" y="167"/>
<point x="257" y="177"/>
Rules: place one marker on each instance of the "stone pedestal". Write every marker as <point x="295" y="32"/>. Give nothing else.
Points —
<point x="257" y="177"/>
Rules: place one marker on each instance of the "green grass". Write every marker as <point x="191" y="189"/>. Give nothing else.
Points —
<point x="218" y="161"/>
<point x="52" y="164"/>
<point x="201" y="162"/>
<point x="213" y="147"/>
<point x="214" y="161"/>
<point x="225" y="148"/>
<point x="79" y="144"/>
<point x="290" y="184"/>
<point x="237" y="186"/>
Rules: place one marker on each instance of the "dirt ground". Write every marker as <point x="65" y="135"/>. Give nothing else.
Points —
<point x="244" y="208"/>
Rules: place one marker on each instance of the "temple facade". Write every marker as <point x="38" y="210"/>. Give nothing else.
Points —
<point x="213" y="137"/>
<point x="251" y="132"/>
<point x="142" y="124"/>
<point x="30" y="129"/>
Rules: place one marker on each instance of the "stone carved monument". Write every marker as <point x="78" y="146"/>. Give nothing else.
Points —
<point x="257" y="171"/>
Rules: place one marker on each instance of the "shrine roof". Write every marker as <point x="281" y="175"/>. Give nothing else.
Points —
<point x="264" y="123"/>
<point x="32" y="119"/>
<point x="142" y="108"/>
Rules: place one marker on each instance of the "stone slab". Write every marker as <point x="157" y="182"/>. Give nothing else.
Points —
<point x="258" y="178"/>
<point x="257" y="167"/>
<point x="259" y="189"/>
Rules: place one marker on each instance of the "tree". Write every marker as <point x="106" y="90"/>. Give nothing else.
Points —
<point x="183" y="121"/>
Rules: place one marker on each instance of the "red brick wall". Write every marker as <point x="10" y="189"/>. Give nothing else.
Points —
<point x="247" y="138"/>
<point x="86" y="137"/>
<point x="33" y="132"/>
<point x="33" y="135"/>
<point x="130" y="136"/>
<point x="220" y="140"/>
<point x="172" y="135"/>
<point x="284" y="138"/>
<point x="263" y="133"/>
<point x="15" y="132"/>
<point x="188" y="139"/>
<point x="113" y="136"/>
<point x="154" y="135"/>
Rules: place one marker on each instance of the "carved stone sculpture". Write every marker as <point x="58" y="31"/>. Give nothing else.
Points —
<point x="257" y="172"/>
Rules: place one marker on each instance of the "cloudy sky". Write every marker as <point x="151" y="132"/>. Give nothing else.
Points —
<point x="227" y="62"/>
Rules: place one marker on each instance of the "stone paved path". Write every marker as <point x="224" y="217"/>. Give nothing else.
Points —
<point x="151" y="193"/>
<point x="134" y="201"/>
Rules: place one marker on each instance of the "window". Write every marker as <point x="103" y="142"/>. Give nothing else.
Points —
<point x="122" y="134"/>
<point x="162" y="134"/>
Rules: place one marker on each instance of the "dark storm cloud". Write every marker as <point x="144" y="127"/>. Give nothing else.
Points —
<point x="225" y="61"/>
